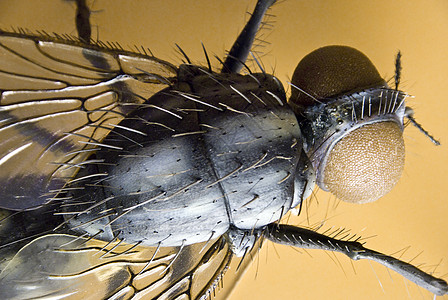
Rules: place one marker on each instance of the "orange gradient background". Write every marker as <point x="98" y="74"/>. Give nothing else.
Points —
<point x="414" y="214"/>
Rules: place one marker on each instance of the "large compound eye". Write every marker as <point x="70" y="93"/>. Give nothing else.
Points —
<point x="365" y="164"/>
<point x="330" y="71"/>
<point x="351" y="121"/>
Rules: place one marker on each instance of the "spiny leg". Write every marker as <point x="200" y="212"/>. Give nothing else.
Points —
<point x="308" y="239"/>
<point x="241" y="48"/>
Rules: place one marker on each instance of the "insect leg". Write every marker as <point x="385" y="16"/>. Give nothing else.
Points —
<point x="83" y="21"/>
<point x="241" y="48"/>
<point x="305" y="238"/>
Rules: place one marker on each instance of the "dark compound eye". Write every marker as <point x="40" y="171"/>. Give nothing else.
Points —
<point x="331" y="71"/>
<point x="360" y="157"/>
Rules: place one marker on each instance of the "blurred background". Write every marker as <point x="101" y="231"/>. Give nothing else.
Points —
<point x="413" y="216"/>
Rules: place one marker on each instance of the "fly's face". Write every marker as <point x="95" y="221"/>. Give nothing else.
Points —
<point x="352" y="122"/>
<point x="310" y="31"/>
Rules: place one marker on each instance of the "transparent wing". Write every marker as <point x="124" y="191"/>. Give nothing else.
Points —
<point x="58" y="101"/>
<point x="69" y="267"/>
<point x="38" y="263"/>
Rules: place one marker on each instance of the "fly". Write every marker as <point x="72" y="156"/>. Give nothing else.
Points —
<point x="249" y="203"/>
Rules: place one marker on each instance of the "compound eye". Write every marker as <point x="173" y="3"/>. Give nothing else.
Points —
<point x="330" y="71"/>
<point x="366" y="163"/>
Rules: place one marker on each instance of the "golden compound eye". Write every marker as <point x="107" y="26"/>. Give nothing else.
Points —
<point x="366" y="163"/>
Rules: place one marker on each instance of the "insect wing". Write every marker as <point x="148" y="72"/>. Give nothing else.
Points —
<point x="70" y="267"/>
<point x="381" y="26"/>
<point x="58" y="101"/>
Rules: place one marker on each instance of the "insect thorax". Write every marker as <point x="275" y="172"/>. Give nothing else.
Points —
<point x="213" y="151"/>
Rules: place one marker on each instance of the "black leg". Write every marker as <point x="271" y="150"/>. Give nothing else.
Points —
<point x="240" y="50"/>
<point x="83" y="21"/>
<point x="308" y="239"/>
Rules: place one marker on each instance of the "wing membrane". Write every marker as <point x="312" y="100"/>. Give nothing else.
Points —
<point x="65" y="266"/>
<point x="58" y="101"/>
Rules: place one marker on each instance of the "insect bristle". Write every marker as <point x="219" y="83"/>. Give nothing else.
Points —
<point x="411" y="228"/>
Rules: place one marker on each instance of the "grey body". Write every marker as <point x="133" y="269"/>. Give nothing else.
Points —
<point x="181" y="178"/>
<point x="229" y="157"/>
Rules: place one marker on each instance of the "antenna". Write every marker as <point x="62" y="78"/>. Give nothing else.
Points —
<point x="409" y="113"/>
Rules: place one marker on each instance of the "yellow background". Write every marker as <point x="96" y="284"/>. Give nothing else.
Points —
<point x="414" y="214"/>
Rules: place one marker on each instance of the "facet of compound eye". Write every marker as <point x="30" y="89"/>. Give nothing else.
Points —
<point x="331" y="71"/>
<point x="366" y="163"/>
